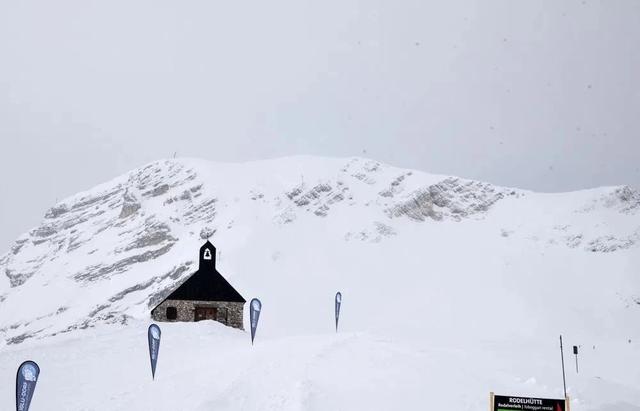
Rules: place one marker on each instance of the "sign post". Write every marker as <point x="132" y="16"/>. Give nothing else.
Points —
<point x="564" y="380"/>
<point x="575" y="352"/>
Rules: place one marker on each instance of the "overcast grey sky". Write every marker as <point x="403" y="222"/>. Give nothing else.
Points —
<point x="542" y="95"/>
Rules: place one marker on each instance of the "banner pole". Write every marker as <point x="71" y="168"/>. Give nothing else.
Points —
<point x="564" y="381"/>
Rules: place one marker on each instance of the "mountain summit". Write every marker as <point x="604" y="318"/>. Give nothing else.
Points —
<point x="426" y="258"/>
<point x="110" y="253"/>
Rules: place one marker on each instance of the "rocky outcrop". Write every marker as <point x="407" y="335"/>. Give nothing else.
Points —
<point x="609" y="244"/>
<point x="130" y="205"/>
<point x="622" y="199"/>
<point x="451" y="198"/>
<point x="318" y="198"/>
<point x="153" y="233"/>
<point x="102" y="272"/>
<point x="207" y="232"/>
<point x="395" y="187"/>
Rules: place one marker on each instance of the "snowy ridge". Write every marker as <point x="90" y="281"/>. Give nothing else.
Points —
<point x="294" y="230"/>
<point x="137" y="219"/>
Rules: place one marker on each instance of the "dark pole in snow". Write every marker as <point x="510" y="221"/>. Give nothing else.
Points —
<point x="338" y="301"/>
<point x="564" y="381"/>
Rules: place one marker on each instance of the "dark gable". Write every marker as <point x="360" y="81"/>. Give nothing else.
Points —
<point x="206" y="284"/>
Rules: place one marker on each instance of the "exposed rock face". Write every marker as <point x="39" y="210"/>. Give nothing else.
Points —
<point x="157" y="191"/>
<point x="207" y="232"/>
<point x="623" y="199"/>
<point x="396" y="186"/>
<point x="318" y="198"/>
<point x="153" y="233"/>
<point x="453" y="198"/>
<point x="129" y="205"/>
<point x="103" y="234"/>
<point x="609" y="244"/>
<point x="102" y="272"/>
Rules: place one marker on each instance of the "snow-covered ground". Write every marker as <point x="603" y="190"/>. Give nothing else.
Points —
<point x="451" y="289"/>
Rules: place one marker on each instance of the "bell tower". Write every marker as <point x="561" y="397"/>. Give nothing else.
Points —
<point x="207" y="256"/>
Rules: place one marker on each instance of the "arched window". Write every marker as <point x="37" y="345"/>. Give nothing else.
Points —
<point x="172" y="313"/>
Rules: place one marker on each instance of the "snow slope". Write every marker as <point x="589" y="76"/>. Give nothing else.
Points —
<point x="452" y="288"/>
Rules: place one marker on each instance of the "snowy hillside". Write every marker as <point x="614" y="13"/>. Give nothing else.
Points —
<point x="452" y="288"/>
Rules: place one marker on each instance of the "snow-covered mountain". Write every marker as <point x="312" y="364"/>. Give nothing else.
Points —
<point x="452" y="288"/>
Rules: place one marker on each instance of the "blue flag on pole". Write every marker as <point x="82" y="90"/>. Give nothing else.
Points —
<point x="26" y="380"/>
<point x="338" y="302"/>
<point x="153" y="335"/>
<point x="254" y="315"/>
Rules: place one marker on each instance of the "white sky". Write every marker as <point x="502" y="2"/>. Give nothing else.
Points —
<point x="542" y="95"/>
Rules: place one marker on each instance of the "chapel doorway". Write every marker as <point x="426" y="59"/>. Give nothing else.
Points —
<point x="205" y="313"/>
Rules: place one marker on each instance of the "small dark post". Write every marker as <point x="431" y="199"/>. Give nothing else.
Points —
<point x="338" y="301"/>
<point x="564" y="380"/>
<point x="575" y="352"/>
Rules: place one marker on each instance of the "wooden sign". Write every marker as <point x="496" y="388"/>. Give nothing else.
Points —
<point x="510" y="403"/>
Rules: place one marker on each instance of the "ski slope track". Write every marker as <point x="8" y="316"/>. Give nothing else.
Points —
<point x="451" y="288"/>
